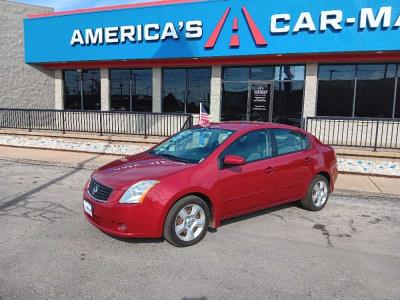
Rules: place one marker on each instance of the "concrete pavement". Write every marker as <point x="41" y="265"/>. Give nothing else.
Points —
<point x="48" y="250"/>
<point x="347" y="183"/>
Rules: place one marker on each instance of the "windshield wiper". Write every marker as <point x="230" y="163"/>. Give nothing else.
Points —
<point x="173" y="157"/>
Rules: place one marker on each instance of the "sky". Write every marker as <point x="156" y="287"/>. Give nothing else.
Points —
<point x="75" y="4"/>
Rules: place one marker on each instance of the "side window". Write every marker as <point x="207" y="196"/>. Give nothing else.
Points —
<point x="253" y="146"/>
<point x="288" y="141"/>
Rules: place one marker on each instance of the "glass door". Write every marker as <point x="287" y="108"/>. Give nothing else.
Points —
<point x="259" y="104"/>
<point x="263" y="93"/>
<point x="234" y="104"/>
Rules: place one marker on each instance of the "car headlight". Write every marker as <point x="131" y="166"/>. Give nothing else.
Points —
<point x="136" y="193"/>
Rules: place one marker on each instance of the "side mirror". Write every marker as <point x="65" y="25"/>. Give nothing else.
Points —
<point x="234" y="160"/>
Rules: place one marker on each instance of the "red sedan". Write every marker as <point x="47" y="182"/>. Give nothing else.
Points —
<point x="201" y="176"/>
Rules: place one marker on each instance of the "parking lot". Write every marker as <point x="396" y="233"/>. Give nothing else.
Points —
<point x="48" y="250"/>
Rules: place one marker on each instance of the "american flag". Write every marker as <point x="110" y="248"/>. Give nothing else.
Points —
<point x="204" y="120"/>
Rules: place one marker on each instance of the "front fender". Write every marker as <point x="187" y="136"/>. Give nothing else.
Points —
<point x="210" y="196"/>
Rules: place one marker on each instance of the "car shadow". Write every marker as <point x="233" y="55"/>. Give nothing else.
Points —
<point x="137" y="240"/>
<point x="267" y="211"/>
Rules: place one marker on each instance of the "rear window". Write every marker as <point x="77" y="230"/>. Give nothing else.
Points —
<point x="288" y="141"/>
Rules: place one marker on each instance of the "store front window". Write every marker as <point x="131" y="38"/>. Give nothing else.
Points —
<point x="82" y="90"/>
<point x="131" y="90"/>
<point x="288" y="95"/>
<point x="263" y="93"/>
<point x="364" y="90"/>
<point x="375" y="90"/>
<point x="185" y="89"/>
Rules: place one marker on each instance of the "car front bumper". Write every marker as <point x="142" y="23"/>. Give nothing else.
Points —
<point x="143" y="220"/>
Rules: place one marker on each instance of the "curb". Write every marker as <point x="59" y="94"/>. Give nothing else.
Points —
<point x="368" y="174"/>
<point x="355" y="193"/>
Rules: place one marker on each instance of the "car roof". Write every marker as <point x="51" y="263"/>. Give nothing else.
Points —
<point x="243" y="125"/>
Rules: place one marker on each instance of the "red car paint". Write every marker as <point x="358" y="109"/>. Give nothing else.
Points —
<point x="230" y="191"/>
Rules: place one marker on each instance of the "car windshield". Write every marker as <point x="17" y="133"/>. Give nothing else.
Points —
<point x="192" y="145"/>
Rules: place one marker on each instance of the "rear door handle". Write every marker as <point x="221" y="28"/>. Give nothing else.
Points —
<point x="270" y="170"/>
<point x="308" y="159"/>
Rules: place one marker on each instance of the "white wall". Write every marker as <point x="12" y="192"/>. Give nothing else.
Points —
<point x="21" y="85"/>
<point x="310" y="90"/>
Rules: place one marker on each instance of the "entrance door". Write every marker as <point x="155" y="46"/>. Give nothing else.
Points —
<point x="264" y="101"/>
<point x="244" y="86"/>
<point x="259" y="103"/>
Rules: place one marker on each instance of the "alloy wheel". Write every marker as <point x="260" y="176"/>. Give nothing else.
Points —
<point x="320" y="193"/>
<point x="190" y="222"/>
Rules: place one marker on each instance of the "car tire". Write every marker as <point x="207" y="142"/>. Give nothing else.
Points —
<point x="317" y="194"/>
<point x="187" y="222"/>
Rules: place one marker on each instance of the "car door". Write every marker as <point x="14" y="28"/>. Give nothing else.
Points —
<point x="295" y="161"/>
<point x="251" y="185"/>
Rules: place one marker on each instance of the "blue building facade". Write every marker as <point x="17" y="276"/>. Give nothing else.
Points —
<point x="244" y="60"/>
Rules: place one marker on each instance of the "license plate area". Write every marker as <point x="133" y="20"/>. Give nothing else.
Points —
<point x="88" y="208"/>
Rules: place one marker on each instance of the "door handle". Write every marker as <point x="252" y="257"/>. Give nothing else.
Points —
<point x="270" y="170"/>
<point x="308" y="159"/>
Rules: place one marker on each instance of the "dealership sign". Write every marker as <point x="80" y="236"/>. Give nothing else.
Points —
<point x="215" y="28"/>
<point x="137" y="34"/>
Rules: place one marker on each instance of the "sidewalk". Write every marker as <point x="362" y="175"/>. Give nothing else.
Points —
<point x="371" y="185"/>
<point x="347" y="183"/>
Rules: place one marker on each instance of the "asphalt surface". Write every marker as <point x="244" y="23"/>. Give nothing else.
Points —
<point x="350" y="250"/>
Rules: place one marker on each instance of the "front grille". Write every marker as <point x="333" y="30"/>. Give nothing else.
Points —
<point x="98" y="191"/>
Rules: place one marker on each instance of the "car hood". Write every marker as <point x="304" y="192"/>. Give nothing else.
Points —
<point x="122" y="173"/>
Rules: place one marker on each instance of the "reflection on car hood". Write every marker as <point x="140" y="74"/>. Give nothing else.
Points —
<point x="124" y="172"/>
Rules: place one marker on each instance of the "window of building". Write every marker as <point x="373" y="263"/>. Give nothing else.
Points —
<point x="375" y="90"/>
<point x="234" y="101"/>
<point x="287" y="101"/>
<point x="82" y="90"/>
<point x="131" y="90"/>
<point x="236" y="73"/>
<point x="288" y="95"/>
<point x="364" y="90"/>
<point x="289" y="73"/>
<point x="336" y="90"/>
<point x="185" y="89"/>
<point x="264" y="73"/>
<point x="288" y="141"/>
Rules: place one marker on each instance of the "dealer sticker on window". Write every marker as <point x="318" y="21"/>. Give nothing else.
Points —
<point x="88" y="208"/>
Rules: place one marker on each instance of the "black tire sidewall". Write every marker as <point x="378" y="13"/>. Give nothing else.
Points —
<point x="169" y="226"/>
